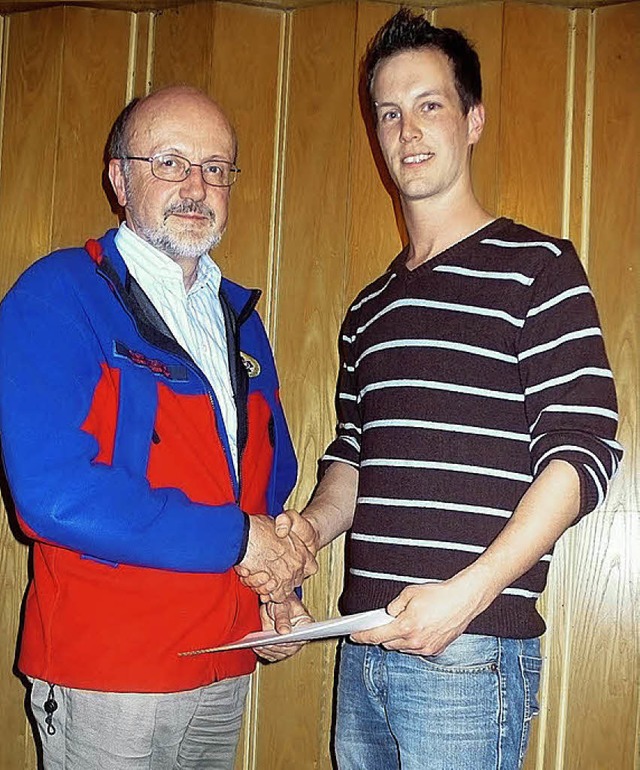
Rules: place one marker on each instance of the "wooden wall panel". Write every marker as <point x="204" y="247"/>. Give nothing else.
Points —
<point x="578" y="218"/>
<point x="33" y="69"/>
<point x="605" y="645"/>
<point x="233" y="52"/>
<point x="556" y="605"/>
<point x="183" y="47"/>
<point x="375" y="226"/>
<point x="482" y="24"/>
<point x="531" y="148"/>
<point x="247" y="43"/>
<point x="96" y="42"/>
<point x="143" y="33"/>
<point x="293" y="721"/>
<point x="31" y="72"/>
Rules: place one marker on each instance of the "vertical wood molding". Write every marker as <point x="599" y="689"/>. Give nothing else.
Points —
<point x="568" y="122"/>
<point x="4" y="49"/>
<point x="560" y="718"/>
<point x="588" y="142"/>
<point x="250" y="729"/>
<point x="278" y="179"/>
<point x="579" y="106"/>
<point x="140" y="55"/>
<point x="558" y="617"/>
<point x="132" y="57"/>
<point x="56" y="144"/>
<point x="150" y="54"/>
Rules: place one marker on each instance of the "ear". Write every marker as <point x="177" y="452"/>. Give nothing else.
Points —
<point x="475" y="123"/>
<point x="116" y="177"/>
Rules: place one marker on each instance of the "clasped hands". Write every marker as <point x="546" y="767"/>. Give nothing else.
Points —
<point x="427" y="617"/>
<point x="280" y="555"/>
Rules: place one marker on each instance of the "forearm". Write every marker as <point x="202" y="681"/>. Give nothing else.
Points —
<point x="332" y="506"/>
<point x="328" y="515"/>
<point x="546" y="510"/>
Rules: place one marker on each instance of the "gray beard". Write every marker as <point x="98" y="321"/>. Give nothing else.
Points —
<point x="174" y="248"/>
<point x="165" y="241"/>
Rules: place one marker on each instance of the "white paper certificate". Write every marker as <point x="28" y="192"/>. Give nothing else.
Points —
<point x="320" y="629"/>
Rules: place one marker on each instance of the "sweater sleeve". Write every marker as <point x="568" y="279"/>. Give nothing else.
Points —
<point x="570" y="398"/>
<point x="49" y="367"/>
<point x="346" y="446"/>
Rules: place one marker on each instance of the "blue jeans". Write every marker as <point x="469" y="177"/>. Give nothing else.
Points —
<point x="469" y="708"/>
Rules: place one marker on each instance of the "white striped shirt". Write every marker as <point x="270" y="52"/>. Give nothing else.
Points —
<point x="195" y="318"/>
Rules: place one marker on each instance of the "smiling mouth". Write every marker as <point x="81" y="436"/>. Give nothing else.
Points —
<point x="412" y="160"/>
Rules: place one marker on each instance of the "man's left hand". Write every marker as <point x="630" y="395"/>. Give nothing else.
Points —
<point x="283" y="617"/>
<point x="427" y="618"/>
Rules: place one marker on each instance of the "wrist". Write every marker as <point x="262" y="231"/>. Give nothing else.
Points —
<point x="244" y="540"/>
<point x="479" y="585"/>
<point x="316" y="530"/>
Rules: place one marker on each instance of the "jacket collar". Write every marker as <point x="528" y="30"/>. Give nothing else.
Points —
<point x="242" y="301"/>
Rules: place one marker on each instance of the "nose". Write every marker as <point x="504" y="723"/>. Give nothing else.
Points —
<point x="194" y="186"/>
<point x="409" y="129"/>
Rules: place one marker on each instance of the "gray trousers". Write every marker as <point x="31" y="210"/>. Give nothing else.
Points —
<point x="193" y="730"/>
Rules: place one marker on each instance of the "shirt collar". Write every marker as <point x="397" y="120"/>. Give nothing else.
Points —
<point x="149" y="265"/>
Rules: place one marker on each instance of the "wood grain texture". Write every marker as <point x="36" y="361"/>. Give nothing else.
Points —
<point x="547" y="745"/>
<point x="375" y="225"/>
<point x="483" y="26"/>
<point x="30" y="76"/>
<point x="94" y="61"/>
<point x="555" y="605"/>
<point x="575" y="226"/>
<point x="33" y="67"/>
<point x="141" y="76"/>
<point x="531" y="147"/>
<point x="9" y="6"/>
<point x="295" y="732"/>
<point x="605" y="644"/>
<point x="183" y="47"/>
<point x="245" y="80"/>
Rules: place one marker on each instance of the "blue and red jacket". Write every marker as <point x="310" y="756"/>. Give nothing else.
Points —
<point x="119" y="465"/>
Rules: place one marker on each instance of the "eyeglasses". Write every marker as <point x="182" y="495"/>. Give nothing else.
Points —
<point x="175" y="168"/>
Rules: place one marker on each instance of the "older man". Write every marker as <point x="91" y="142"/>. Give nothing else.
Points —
<point x="145" y="444"/>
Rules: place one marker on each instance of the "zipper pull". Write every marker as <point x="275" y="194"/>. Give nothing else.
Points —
<point x="50" y="706"/>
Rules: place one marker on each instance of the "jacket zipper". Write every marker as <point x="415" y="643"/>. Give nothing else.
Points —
<point x="235" y="475"/>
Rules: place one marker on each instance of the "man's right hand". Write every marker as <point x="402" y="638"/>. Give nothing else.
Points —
<point x="274" y="564"/>
<point x="292" y="522"/>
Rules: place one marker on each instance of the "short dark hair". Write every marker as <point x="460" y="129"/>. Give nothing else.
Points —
<point x="118" y="143"/>
<point x="407" y="31"/>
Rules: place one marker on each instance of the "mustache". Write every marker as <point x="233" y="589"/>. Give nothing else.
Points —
<point x="190" y="207"/>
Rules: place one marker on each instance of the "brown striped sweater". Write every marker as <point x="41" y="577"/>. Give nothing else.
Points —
<point x="460" y="381"/>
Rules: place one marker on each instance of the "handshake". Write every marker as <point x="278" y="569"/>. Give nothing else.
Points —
<point x="280" y="555"/>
